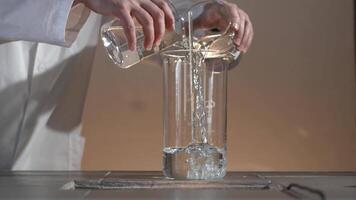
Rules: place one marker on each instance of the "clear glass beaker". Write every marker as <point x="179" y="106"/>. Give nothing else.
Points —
<point x="195" y="114"/>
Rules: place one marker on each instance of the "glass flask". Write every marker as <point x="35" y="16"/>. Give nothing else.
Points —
<point x="116" y="45"/>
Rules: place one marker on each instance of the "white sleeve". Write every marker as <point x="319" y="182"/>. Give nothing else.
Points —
<point x="38" y="20"/>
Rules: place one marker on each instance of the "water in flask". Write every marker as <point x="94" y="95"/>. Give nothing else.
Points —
<point x="115" y="43"/>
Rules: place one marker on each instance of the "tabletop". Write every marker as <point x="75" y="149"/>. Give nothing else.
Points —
<point x="152" y="185"/>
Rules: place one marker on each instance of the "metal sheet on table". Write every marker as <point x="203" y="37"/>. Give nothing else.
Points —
<point x="155" y="181"/>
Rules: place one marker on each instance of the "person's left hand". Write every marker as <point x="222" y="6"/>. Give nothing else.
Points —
<point x="219" y="14"/>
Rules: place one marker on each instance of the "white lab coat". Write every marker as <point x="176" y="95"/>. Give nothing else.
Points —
<point x="43" y="86"/>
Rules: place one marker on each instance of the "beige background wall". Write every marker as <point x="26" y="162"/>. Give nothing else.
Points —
<point x="291" y="103"/>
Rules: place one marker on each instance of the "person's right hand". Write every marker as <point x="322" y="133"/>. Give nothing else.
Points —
<point x="155" y="16"/>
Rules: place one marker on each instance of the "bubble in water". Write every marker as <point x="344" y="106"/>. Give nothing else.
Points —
<point x="196" y="161"/>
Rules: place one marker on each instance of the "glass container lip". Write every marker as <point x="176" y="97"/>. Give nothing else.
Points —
<point x="182" y="53"/>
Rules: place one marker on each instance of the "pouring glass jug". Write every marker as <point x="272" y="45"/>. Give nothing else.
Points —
<point x="115" y="42"/>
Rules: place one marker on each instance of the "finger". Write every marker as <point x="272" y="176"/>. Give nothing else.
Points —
<point x="146" y="22"/>
<point x="241" y="31"/>
<point x="246" y="37"/>
<point x="235" y="20"/>
<point x="249" y="42"/>
<point x="169" y="18"/>
<point x="129" y="27"/>
<point x="158" y="20"/>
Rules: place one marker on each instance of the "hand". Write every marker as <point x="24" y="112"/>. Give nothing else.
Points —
<point x="219" y="14"/>
<point x="155" y="16"/>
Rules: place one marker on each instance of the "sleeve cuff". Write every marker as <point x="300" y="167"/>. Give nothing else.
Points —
<point x="68" y="22"/>
<point x="50" y="21"/>
<point x="75" y="21"/>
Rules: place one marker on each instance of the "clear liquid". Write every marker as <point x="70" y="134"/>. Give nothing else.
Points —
<point x="198" y="108"/>
<point x="197" y="161"/>
<point x="115" y="43"/>
<point x="218" y="45"/>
